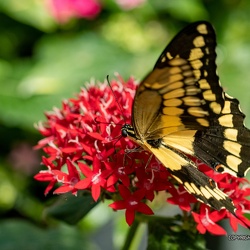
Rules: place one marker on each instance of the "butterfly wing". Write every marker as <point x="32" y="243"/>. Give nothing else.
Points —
<point x="197" y="183"/>
<point x="174" y="92"/>
<point x="182" y="103"/>
<point x="225" y="146"/>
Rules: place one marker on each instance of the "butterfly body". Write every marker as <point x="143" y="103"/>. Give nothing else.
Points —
<point x="180" y="109"/>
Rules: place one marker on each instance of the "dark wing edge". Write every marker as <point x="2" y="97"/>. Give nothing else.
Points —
<point x="183" y="45"/>
<point x="225" y="146"/>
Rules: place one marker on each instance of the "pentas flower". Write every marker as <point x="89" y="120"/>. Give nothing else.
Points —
<point x="85" y="151"/>
<point x="181" y="197"/>
<point x="132" y="202"/>
<point x="206" y="220"/>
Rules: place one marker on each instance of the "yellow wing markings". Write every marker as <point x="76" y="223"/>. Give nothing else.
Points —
<point x="186" y="173"/>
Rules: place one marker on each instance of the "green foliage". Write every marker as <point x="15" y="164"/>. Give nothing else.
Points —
<point x="164" y="234"/>
<point x="71" y="209"/>
<point x="33" y="13"/>
<point x="20" y="234"/>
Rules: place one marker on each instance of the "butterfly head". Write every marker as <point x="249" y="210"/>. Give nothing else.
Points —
<point x="127" y="130"/>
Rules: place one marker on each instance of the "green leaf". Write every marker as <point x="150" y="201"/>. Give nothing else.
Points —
<point x="34" y="13"/>
<point x="165" y="234"/>
<point x="64" y="63"/>
<point x="24" y="112"/>
<point x="71" y="209"/>
<point x="61" y="66"/>
<point x="19" y="234"/>
<point x="182" y="9"/>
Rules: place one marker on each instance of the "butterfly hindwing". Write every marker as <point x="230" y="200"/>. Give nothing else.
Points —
<point x="225" y="145"/>
<point x="196" y="183"/>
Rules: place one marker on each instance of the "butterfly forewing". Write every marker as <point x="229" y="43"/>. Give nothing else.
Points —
<point x="180" y="108"/>
<point x="183" y="87"/>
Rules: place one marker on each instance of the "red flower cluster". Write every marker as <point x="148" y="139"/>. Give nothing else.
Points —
<point x="85" y="151"/>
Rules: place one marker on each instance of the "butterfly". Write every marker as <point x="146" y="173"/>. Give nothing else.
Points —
<point x="181" y="110"/>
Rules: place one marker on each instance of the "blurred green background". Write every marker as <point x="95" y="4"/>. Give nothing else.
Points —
<point x="44" y="60"/>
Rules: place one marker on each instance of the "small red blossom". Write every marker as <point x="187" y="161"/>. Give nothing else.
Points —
<point x="206" y="220"/>
<point x="95" y="179"/>
<point x="132" y="202"/>
<point x="85" y="151"/>
<point x="120" y="172"/>
<point x="47" y="175"/>
<point x="68" y="180"/>
<point x="181" y="198"/>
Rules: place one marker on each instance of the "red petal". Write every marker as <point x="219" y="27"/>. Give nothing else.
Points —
<point x="130" y="216"/>
<point x="50" y="186"/>
<point x="88" y="157"/>
<point x="83" y="184"/>
<point x="69" y="150"/>
<point x="201" y="228"/>
<point x="124" y="192"/>
<point x="60" y="176"/>
<point x="63" y="189"/>
<point x="139" y="194"/>
<point x="118" y="205"/>
<point x="44" y="176"/>
<point x="96" y="136"/>
<point x="72" y="170"/>
<point x="111" y="180"/>
<point x="85" y="169"/>
<point x="216" y="229"/>
<point x="233" y="222"/>
<point x="145" y="209"/>
<point x="96" y="190"/>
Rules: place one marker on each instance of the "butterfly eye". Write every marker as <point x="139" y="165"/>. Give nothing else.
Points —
<point x="128" y="130"/>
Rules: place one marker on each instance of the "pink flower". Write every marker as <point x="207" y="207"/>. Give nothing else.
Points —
<point x="64" y="10"/>
<point x="85" y="151"/>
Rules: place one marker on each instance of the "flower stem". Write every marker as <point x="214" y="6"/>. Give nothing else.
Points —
<point x="130" y="235"/>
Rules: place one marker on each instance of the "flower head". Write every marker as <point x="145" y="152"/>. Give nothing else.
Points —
<point x="85" y="151"/>
<point x="132" y="202"/>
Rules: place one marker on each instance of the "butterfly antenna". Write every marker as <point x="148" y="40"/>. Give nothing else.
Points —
<point x="118" y="104"/>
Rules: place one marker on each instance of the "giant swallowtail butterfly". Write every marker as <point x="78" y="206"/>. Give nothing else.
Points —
<point x="180" y="109"/>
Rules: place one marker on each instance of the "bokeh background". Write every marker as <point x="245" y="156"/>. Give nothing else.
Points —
<point x="49" y="49"/>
